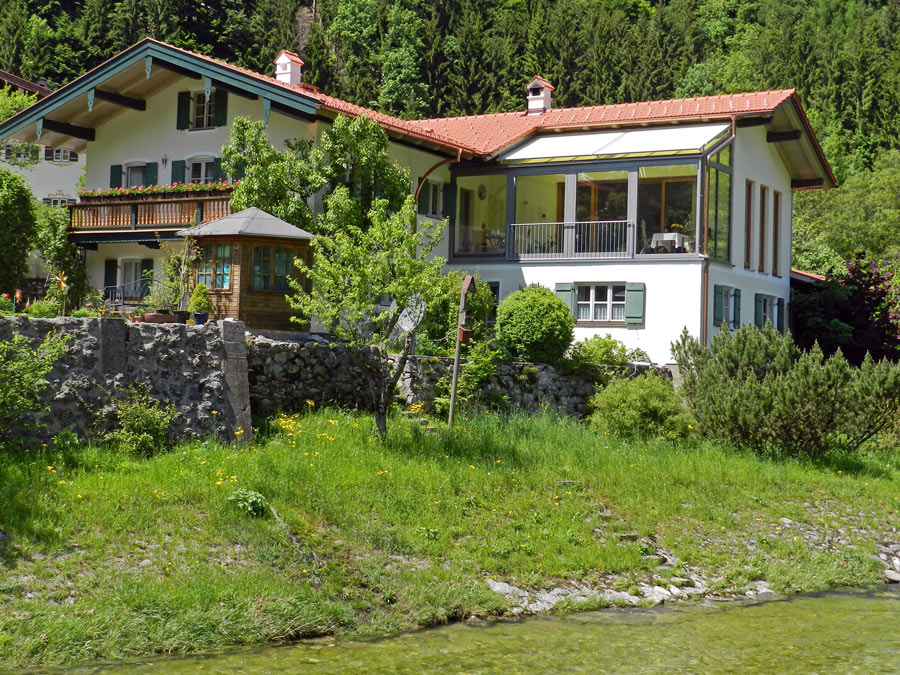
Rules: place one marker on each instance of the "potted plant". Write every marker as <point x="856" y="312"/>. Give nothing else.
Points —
<point x="200" y="306"/>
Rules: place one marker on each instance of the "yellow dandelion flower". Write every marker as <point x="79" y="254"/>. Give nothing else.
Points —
<point x="310" y="403"/>
<point x="471" y="467"/>
<point x="213" y="412"/>
<point x="78" y="496"/>
<point x="62" y="482"/>
<point x="220" y="482"/>
<point x="332" y="421"/>
<point x="49" y="468"/>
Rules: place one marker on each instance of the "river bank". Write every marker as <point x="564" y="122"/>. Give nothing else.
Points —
<point x="106" y="556"/>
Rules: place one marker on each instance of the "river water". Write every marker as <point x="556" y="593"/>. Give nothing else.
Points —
<point x="836" y="632"/>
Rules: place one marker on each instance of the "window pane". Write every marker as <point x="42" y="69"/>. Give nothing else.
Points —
<point x="618" y="294"/>
<point x="539" y="199"/>
<point x="723" y="217"/>
<point x="283" y="260"/>
<point x="584" y="293"/>
<point x="608" y="195"/>
<point x="664" y="199"/>
<point x="261" y="268"/>
<point x="481" y="215"/>
<point x="584" y="312"/>
<point x="599" y="312"/>
<point x="600" y="293"/>
<point x="618" y="313"/>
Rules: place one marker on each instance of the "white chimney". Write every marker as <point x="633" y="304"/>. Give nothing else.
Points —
<point x="288" y="67"/>
<point x="538" y="95"/>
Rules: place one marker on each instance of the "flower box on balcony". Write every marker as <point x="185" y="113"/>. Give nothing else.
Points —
<point x="156" y="192"/>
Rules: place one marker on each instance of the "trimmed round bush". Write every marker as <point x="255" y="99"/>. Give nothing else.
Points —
<point x="534" y="325"/>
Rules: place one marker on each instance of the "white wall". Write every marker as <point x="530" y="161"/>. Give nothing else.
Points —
<point x="672" y="296"/>
<point x="52" y="179"/>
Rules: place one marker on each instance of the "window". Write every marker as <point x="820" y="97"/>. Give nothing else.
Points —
<point x="763" y="194"/>
<point x="600" y="302"/>
<point x="57" y="201"/>
<point x="268" y="276"/>
<point x="748" y="223"/>
<point x="480" y="226"/>
<point x="203" y="112"/>
<point x="434" y="202"/>
<point x="667" y="196"/>
<point x="214" y="269"/>
<point x="765" y="310"/>
<point x="134" y="175"/>
<point x="203" y="170"/>
<point x="718" y="214"/>
<point x="776" y="230"/>
<point x="726" y="306"/>
<point x="60" y="155"/>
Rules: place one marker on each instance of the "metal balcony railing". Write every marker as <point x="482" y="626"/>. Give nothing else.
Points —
<point x="571" y="241"/>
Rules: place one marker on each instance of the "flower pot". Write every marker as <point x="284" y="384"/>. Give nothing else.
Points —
<point x="200" y="318"/>
<point x="182" y="316"/>
<point x="158" y="317"/>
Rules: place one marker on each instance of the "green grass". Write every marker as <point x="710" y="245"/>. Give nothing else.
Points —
<point x="111" y="556"/>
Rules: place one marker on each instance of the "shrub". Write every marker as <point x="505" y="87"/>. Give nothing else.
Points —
<point x="474" y="373"/>
<point x="757" y="390"/>
<point x="250" y="502"/>
<point x="43" y="309"/>
<point x="142" y="424"/>
<point x="598" y="350"/>
<point x="645" y="406"/>
<point x="6" y="304"/>
<point x="534" y="325"/>
<point x="200" y="300"/>
<point x="22" y="379"/>
<point x="85" y="312"/>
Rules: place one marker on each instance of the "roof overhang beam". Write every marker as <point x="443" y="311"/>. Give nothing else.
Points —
<point x="84" y="133"/>
<point x="805" y="184"/>
<point x="118" y="99"/>
<point x="173" y="68"/>
<point x="782" y="136"/>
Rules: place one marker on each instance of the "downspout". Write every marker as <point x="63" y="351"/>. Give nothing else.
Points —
<point x="424" y="178"/>
<point x="704" y="271"/>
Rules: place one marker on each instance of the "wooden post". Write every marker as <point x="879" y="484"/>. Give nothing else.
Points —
<point x="468" y="286"/>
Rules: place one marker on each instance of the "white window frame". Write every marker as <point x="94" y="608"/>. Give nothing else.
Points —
<point x="728" y="306"/>
<point x="436" y="199"/>
<point x="207" y="169"/>
<point x="200" y="106"/>
<point x="126" y="171"/>
<point x="769" y="307"/>
<point x="58" y="201"/>
<point x="593" y="303"/>
<point x="61" y="155"/>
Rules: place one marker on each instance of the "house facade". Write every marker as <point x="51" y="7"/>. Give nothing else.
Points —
<point x="644" y="218"/>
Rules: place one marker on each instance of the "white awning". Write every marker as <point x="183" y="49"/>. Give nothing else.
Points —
<point x="669" y="140"/>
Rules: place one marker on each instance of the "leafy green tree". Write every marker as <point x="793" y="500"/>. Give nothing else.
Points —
<point x="280" y="182"/>
<point x="60" y="256"/>
<point x="353" y="269"/>
<point x="17" y="224"/>
<point x="442" y="315"/>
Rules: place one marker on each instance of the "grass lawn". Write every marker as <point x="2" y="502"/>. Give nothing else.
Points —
<point x="109" y="556"/>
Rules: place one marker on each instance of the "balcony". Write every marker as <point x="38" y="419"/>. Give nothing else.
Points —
<point x="571" y="241"/>
<point x="151" y="211"/>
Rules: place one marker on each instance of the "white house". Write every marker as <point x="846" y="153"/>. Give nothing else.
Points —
<point x="645" y="218"/>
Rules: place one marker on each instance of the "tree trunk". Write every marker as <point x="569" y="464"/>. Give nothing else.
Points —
<point x="381" y="420"/>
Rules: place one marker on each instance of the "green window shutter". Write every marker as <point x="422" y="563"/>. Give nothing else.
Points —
<point x="736" y="302"/>
<point x="424" y="198"/>
<point x="217" y="169"/>
<point x="110" y="274"/>
<point x="779" y="316"/>
<point x="146" y="275"/>
<point x="634" y="303"/>
<point x="449" y="206"/>
<point x="718" y="306"/>
<point x="48" y="153"/>
<point x="758" y="311"/>
<point x="115" y="176"/>
<point x="183" y="118"/>
<point x="221" y="98"/>
<point x="151" y="173"/>
<point x="178" y="171"/>
<point x="566" y="293"/>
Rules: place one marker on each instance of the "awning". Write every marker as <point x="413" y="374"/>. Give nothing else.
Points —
<point x="668" y="140"/>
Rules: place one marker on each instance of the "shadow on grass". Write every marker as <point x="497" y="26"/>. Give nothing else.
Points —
<point x="24" y="514"/>
<point x="858" y="464"/>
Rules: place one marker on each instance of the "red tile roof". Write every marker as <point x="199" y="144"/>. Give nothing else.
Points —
<point x="487" y="134"/>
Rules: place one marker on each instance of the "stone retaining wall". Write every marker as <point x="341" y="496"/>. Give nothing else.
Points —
<point x="200" y="369"/>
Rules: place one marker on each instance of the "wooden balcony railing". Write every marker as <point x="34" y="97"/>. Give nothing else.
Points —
<point x="138" y="214"/>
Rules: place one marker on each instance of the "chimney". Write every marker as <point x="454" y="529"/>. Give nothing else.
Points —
<point x="538" y="99"/>
<point x="287" y="67"/>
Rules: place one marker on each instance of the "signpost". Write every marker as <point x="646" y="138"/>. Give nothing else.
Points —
<point x="462" y="335"/>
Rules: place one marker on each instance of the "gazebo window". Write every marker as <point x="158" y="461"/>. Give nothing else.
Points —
<point x="268" y="276"/>
<point x="214" y="269"/>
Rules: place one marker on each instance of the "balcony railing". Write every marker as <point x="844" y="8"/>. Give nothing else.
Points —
<point x="571" y="241"/>
<point x="136" y="214"/>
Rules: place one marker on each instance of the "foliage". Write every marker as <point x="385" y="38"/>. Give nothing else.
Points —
<point x="534" y="325"/>
<point x="353" y="268"/>
<point x="438" y="337"/>
<point x="174" y="188"/>
<point x="85" y="313"/>
<point x="142" y="423"/>
<point x="646" y="406"/>
<point x="169" y="290"/>
<point x="60" y="255"/>
<point x="474" y="372"/>
<point x="280" y="182"/>
<point x="756" y="389"/>
<point x="22" y="380"/>
<point x="11" y="102"/>
<point x="43" y="309"/>
<point x="858" y="312"/>
<point x="200" y="300"/>
<point x="250" y="502"/>
<point x="598" y="350"/>
<point x="17" y="226"/>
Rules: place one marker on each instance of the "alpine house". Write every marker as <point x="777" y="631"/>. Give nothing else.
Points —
<point x="645" y="218"/>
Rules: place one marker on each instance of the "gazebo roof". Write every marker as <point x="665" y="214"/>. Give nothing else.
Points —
<point x="249" y="222"/>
